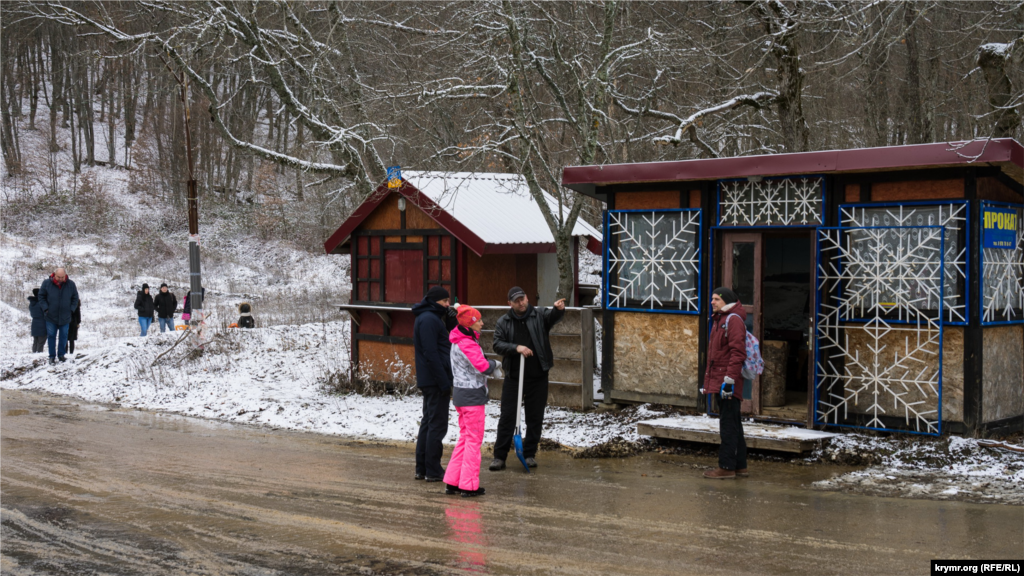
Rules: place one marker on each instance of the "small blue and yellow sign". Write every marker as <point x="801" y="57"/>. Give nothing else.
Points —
<point x="999" y="227"/>
<point x="394" y="176"/>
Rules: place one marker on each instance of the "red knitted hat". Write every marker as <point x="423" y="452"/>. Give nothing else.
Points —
<point x="467" y="316"/>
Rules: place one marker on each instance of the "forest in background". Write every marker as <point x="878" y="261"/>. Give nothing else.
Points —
<point x="297" y="107"/>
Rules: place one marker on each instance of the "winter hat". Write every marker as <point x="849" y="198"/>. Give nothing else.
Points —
<point x="467" y="316"/>
<point x="515" y="292"/>
<point x="727" y="295"/>
<point x="437" y="293"/>
<point x="244" y="308"/>
<point x="145" y="287"/>
<point x="163" y="285"/>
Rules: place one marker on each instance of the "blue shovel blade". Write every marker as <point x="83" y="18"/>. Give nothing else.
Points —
<point x="517" y="440"/>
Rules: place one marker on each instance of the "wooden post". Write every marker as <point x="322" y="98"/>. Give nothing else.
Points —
<point x="587" y="354"/>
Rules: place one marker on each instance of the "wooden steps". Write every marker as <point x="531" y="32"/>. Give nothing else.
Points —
<point x="758" y="436"/>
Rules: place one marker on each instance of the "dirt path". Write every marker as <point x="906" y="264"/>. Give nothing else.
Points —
<point x="89" y="489"/>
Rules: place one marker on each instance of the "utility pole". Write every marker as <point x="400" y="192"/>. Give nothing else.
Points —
<point x="197" y="321"/>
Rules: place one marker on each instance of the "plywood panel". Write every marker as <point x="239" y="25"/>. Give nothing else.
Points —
<point x="416" y="219"/>
<point x="387" y="362"/>
<point x="991" y="189"/>
<point x="917" y="190"/>
<point x="852" y="193"/>
<point x="488" y="278"/>
<point x="385" y="217"/>
<point x="1003" y="373"/>
<point x="953" y="374"/>
<point x="657" y="354"/>
<point x="694" y="198"/>
<point x="646" y="200"/>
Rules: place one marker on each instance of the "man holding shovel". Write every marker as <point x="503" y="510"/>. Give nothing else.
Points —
<point x="523" y="332"/>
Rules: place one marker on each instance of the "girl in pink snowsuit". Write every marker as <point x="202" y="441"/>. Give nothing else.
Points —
<point x="469" y="394"/>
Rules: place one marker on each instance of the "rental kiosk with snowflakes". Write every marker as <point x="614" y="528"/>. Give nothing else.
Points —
<point x="886" y="285"/>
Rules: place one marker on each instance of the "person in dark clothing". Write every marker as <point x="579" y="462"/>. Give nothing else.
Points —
<point x="727" y="350"/>
<point x="524" y="331"/>
<point x="58" y="297"/>
<point x="186" y="308"/>
<point x="76" y="321"/>
<point x="434" y="379"/>
<point x="245" y="319"/>
<point x="144" y="304"/>
<point x="166" y="303"/>
<point x="38" y="322"/>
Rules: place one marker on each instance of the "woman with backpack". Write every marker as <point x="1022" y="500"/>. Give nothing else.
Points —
<point x="727" y="351"/>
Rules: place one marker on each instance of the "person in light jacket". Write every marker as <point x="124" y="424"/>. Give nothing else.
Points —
<point x="470" y="370"/>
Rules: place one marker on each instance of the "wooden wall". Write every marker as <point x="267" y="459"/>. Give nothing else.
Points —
<point x="490" y="276"/>
<point x="1002" y="373"/>
<point x="656" y="358"/>
<point x="990" y="188"/>
<point x="387" y="362"/>
<point x="387" y="217"/>
<point x="685" y="198"/>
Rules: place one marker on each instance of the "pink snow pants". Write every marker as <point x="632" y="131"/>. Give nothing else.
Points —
<point x="464" y="467"/>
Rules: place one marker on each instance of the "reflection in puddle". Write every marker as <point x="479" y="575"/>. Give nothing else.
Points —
<point x="467" y="529"/>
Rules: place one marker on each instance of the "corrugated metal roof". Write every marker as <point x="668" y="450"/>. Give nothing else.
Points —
<point x="496" y="207"/>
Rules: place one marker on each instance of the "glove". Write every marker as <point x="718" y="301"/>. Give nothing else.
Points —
<point x="452" y="312"/>
<point x="497" y="373"/>
<point x="727" y="388"/>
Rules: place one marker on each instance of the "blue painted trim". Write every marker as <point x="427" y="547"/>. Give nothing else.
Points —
<point x="967" y="241"/>
<point x="981" y="255"/>
<point x="718" y="202"/>
<point x="817" y="314"/>
<point x="700" y="255"/>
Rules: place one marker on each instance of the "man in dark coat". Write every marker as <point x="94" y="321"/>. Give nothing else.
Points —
<point x="434" y="379"/>
<point x="144" y="304"/>
<point x="58" y="297"/>
<point x="524" y="331"/>
<point x="727" y="351"/>
<point x="38" y="323"/>
<point x="166" y="303"/>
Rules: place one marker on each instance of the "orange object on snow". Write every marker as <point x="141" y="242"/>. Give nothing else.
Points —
<point x="233" y="325"/>
<point x="181" y="327"/>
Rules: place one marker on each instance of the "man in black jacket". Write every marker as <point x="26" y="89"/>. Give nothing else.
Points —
<point x="433" y="378"/>
<point x="524" y="331"/>
<point x="166" y="303"/>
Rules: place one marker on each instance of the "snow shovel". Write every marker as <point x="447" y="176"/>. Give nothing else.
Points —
<point x="517" y="438"/>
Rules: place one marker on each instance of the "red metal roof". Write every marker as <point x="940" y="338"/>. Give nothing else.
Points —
<point x="585" y="179"/>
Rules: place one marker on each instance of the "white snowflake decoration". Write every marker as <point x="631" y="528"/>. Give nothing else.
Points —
<point x="880" y="279"/>
<point x="951" y="216"/>
<point x="771" y="202"/>
<point x="1003" y="280"/>
<point x="656" y="262"/>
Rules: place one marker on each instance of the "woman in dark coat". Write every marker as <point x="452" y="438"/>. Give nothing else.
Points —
<point x="38" y="322"/>
<point x="144" y="304"/>
<point x="76" y="320"/>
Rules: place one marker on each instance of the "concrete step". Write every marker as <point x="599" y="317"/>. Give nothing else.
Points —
<point x="758" y="436"/>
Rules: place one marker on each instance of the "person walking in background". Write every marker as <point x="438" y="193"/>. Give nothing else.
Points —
<point x="727" y="350"/>
<point x="434" y="379"/>
<point x="76" y="321"/>
<point x="38" y="323"/>
<point x="245" y="319"/>
<point x="58" y="297"/>
<point x="186" y="308"/>
<point x="166" y="303"/>
<point x="470" y="370"/>
<point x="524" y="330"/>
<point x="144" y="304"/>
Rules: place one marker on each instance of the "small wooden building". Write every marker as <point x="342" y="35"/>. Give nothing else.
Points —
<point x="475" y="234"/>
<point x="886" y="285"/>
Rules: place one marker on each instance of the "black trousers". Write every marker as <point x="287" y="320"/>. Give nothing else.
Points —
<point x="433" y="429"/>
<point x="732" y="455"/>
<point x="535" y="399"/>
<point x="39" y="343"/>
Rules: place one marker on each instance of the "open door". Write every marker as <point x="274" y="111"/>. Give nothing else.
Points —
<point x="742" y="257"/>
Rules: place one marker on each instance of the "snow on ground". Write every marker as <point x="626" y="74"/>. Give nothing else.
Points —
<point x="952" y="468"/>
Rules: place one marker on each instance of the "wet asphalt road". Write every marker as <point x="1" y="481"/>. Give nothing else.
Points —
<point x="87" y="489"/>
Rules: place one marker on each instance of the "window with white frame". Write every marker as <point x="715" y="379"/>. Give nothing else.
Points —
<point x="653" y="260"/>
<point x="791" y="201"/>
<point x="1002" y="278"/>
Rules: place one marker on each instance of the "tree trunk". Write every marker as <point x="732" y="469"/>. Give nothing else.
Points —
<point x="992" y="59"/>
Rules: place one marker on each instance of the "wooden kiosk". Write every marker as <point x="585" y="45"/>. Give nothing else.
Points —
<point x="886" y="284"/>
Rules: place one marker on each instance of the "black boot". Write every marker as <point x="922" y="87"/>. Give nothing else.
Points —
<point x="451" y="490"/>
<point x="471" y="493"/>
